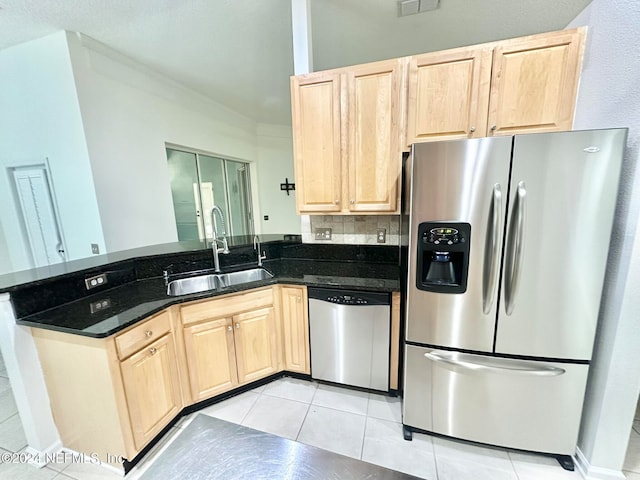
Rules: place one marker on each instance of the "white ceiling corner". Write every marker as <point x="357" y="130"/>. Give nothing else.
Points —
<point x="240" y="54"/>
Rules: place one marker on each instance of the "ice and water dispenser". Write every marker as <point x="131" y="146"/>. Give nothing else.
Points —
<point x="443" y="257"/>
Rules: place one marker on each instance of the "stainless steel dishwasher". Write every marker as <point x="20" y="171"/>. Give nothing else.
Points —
<point x="349" y="334"/>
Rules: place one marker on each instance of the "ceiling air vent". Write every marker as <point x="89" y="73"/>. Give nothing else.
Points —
<point x="411" y="7"/>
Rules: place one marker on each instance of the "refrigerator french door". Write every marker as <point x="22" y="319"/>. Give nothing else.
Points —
<point x="508" y="247"/>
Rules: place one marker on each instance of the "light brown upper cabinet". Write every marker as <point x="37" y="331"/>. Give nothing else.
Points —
<point x="347" y="132"/>
<point x="449" y="94"/>
<point x="523" y="85"/>
<point x="315" y="103"/>
<point x="534" y="83"/>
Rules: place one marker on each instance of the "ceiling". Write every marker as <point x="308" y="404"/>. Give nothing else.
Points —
<point x="239" y="52"/>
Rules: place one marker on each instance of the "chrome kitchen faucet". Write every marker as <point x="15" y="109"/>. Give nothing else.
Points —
<point x="257" y="248"/>
<point x="214" y="241"/>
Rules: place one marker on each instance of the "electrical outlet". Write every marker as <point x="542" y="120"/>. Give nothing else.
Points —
<point x="323" y="233"/>
<point x="95" y="249"/>
<point x="95" y="281"/>
<point x="382" y="235"/>
<point x="100" y="305"/>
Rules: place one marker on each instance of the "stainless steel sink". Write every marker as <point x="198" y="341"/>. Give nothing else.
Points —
<point x="185" y="286"/>
<point x="244" y="276"/>
<point x="203" y="283"/>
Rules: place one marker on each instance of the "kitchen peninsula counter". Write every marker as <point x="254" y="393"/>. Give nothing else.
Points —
<point x="136" y="288"/>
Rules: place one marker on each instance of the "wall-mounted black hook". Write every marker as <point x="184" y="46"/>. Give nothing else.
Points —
<point x="287" y="186"/>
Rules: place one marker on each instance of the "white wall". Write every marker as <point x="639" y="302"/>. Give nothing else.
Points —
<point x="6" y="265"/>
<point x="609" y="96"/>
<point x="129" y="113"/>
<point x="39" y="119"/>
<point x="275" y="163"/>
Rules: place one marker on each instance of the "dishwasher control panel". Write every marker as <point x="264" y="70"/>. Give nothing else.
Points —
<point x="349" y="297"/>
<point x="347" y="300"/>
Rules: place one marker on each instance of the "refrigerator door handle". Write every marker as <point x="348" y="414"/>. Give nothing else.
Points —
<point x="515" y="248"/>
<point x="493" y="364"/>
<point x="492" y="242"/>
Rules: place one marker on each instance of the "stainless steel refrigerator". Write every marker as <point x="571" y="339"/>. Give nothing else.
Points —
<point x="508" y="248"/>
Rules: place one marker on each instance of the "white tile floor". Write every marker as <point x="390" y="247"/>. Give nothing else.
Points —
<point x="360" y="425"/>
<point x="368" y="427"/>
<point x="632" y="461"/>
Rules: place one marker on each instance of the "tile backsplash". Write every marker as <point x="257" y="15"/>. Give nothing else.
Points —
<point x="351" y="229"/>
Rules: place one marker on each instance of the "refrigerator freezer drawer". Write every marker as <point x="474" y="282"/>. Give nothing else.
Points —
<point x="526" y="405"/>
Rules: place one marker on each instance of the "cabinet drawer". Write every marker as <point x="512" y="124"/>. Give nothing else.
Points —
<point x="226" y="307"/>
<point x="142" y="335"/>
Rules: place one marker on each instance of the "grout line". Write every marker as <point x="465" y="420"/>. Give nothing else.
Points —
<point x="255" y="401"/>
<point x="364" y="435"/>
<point x="513" y="465"/>
<point x="302" y="423"/>
<point x="339" y="410"/>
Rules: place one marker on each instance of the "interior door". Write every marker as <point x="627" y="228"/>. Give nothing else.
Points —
<point x="562" y="201"/>
<point x="39" y="215"/>
<point x="459" y="181"/>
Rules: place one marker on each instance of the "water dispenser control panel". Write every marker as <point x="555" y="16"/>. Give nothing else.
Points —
<point x="443" y="256"/>
<point x="443" y="235"/>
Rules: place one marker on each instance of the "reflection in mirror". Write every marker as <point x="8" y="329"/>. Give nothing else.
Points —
<point x="198" y="182"/>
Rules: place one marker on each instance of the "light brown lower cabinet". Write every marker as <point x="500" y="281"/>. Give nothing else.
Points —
<point x="230" y="341"/>
<point x="112" y="396"/>
<point x="295" y="329"/>
<point x="150" y="381"/>
<point x="256" y="344"/>
<point x="211" y="358"/>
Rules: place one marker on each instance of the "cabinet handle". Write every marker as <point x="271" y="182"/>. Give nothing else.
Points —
<point x="337" y="202"/>
<point x="153" y="350"/>
<point x="237" y="326"/>
<point x="493" y="127"/>
<point x="352" y="202"/>
<point x="230" y="328"/>
<point x="148" y="333"/>
<point x="472" y="129"/>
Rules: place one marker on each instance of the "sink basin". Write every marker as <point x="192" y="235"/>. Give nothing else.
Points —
<point x="217" y="281"/>
<point x="185" y="286"/>
<point x="243" y="276"/>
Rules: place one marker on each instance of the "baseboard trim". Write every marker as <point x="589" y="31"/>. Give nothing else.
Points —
<point x="589" y="472"/>
<point x="40" y="458"/>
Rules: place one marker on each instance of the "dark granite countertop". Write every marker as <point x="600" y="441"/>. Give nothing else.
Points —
<point x="137" y="296"/>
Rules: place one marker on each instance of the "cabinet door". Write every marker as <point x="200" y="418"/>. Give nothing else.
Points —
<point x="211" y="358"/>
<point x="374" y="106"/>
<point x="256" y="346"/>
<point x="534" y="83"/>
<point x="295" y="329"/>
<point x="448" y="94"/>
<point x="152" y="389"/>
<point x="315" y="104"/>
